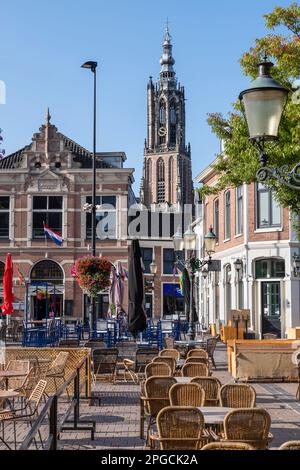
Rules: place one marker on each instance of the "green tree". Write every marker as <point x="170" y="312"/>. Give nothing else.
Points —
<point x="239" y="162"/>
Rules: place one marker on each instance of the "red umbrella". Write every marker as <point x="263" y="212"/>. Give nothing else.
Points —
<point x="7" y="306"/>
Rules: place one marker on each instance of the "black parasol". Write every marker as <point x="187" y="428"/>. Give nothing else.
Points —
<point x="137" y="319"/>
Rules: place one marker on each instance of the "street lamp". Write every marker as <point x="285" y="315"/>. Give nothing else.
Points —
<point x="263" y="104"/>
<point x="91" y="65"/>
<point x="210" y="241"/>
<point x="153" y="268"/>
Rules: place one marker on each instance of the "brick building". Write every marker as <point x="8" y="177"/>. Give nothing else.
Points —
<point x="256" y="244"/>
<point x="49" y="181"/>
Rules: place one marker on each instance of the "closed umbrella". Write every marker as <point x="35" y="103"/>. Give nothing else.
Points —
<point x="137" y="319"/>
<point x="119" y="289"/>
<point x="186" y="291"/>
<point x="8" y="296"/>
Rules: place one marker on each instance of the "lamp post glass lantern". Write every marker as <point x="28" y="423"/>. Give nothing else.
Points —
<point x="92" y="65"/>
<point x="263" y="104"/>
<point x="210" y="241"/>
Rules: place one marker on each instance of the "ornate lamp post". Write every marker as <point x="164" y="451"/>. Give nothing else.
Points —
<point x="194" y="264"/>
<point x="263" y="104"/>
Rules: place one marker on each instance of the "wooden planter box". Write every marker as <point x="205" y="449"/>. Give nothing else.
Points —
<point x="263" y="360"/>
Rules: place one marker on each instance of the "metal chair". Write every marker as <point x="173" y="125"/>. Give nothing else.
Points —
<point x="105" y="363"/>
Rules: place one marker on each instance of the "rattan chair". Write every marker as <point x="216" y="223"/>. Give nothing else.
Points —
<point x="194" y="369"/>
<point x="5" y="415"/>
<point x="290" y="445"/>
<point x="249" y="425"/>
<point x="211" y="387"/>
<point x="198" y="353"/>
<point x="157" y="368"/>
<point x="156" y="397"/>
<point x="228" y="445"/>
<point x="167" y="360"/>
<point x="57" y="368"/>
<point x="201" y="360"/>
<point x="191" y="394"/>
<point x="181" y="428"/>
<point x="237" y="396"/>
<point x="170" y="353"/>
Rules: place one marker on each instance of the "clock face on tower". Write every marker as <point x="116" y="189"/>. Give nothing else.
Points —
<point x="162" y="131"/>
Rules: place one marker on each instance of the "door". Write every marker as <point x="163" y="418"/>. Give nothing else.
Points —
<point x="271" y="314"/>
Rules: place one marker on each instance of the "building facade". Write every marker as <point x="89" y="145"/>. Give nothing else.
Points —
<point x="255" y="244"/>
<point x="49" y="181"/>
<point x="166" y="193"/>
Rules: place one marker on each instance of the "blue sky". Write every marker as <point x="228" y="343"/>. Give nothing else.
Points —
<point x="43" y="44"/>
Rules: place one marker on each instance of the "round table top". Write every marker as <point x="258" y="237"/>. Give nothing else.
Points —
<point x="12" y="373"/>
<point x="214" y="414"/>
<point x="4" y="394"/>
<point x="190" y="342"/>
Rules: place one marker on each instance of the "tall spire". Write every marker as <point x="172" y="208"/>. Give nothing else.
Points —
<point x="167" y="73"/>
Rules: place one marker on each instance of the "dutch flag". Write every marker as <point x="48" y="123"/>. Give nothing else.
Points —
<point x="55" y="237"/>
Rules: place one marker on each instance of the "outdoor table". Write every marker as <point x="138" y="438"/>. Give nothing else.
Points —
<point x="214" y="414"/>
<point x="9" y="374"/>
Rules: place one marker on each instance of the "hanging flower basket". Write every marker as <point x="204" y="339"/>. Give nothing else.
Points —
<point x="92" y="274"/>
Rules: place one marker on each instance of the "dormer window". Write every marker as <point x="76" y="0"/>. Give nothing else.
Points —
<point x="37" y="165"/>
<point x="57" y="165"/>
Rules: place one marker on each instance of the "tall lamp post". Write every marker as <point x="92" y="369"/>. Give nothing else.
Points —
<point x="263" y="104"/>
<point x="188" y="242"/>
<point x="91" y="65"/>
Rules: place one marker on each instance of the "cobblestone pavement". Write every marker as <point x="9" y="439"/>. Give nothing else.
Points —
<point x="117" y="418"/>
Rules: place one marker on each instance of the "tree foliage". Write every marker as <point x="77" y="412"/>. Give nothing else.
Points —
<point x="239" y="162"/>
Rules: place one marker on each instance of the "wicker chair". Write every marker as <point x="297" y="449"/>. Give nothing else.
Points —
<point x="211" y="386"/>
<point x="95" y="344"/>
<point x="167" y="360"/>
<point x="190" y="394"/>
<point x="249" y="425"/>
<point x="57" y="368"/>
<point x="290" y="445"/>
<point x="105" y="363"/>
<point x="198" y="353"/>
<point x="237" y="396"/>
<point x="157" y="368"/>
<point x="211" y="344"/>
<point x="194" y="369"/>
<point x="20" y="366"/>
<point x="201" y="360"/>
<point x="156" y="397"/>
<point x="228" y="445"/>
<point x="181" y="428"/>
<point x="170" y="353"/>
<point x="5" y="415"/>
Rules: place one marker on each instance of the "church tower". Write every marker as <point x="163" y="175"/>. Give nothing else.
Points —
<point x="167" y="175"/>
